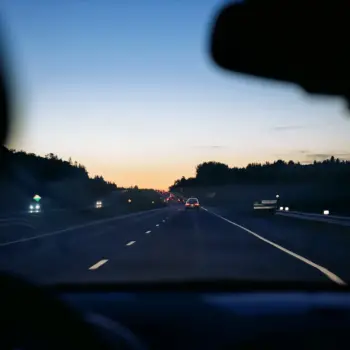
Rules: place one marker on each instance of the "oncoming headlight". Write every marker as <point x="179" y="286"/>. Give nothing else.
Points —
<point x="31" y="207"/>
<point x="37" y="206"/>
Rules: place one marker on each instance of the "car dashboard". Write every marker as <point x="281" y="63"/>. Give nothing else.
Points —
<point x="217" y="320"/>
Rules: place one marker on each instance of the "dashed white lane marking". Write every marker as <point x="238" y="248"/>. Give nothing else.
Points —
<point x="76" y="227"/>
<point x="333" y="277"/>
<point x="157" y="225"/>
<point x="98" y="264"/>
<point x="147" y="232"/>
<point x="163" y="220"/>
<point x="130" y="243"/>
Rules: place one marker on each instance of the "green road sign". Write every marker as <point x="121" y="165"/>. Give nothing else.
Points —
<point x="37" y="198"/>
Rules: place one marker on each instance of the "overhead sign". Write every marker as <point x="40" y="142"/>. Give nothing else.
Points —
<point x="37" y="198"/>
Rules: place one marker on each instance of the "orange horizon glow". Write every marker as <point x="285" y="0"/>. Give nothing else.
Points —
<point x="161" y="172"/>
<point x="161" y="176"/>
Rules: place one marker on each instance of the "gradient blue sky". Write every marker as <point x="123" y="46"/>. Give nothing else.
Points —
<point x="126" y="88"/>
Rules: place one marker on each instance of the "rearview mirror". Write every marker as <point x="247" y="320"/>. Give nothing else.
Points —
<point x="302" y="42"/>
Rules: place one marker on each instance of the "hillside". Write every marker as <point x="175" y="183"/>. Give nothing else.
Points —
<point x="304" y="187"/>
<point x="60" y="183"/>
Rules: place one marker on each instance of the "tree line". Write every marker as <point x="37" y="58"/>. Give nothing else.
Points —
<point x="279" y="172"/>
<point x="52" y="168"/>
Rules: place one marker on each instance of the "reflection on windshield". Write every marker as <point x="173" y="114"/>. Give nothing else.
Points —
<point x="118" y="128"/>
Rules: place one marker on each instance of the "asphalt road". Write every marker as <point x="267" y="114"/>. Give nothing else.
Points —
<point x="170" y="243"/>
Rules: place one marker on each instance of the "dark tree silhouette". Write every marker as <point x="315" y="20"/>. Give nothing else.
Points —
<point x="279" y="172"/>
<point x="52" y="168"/>
<point x="212" y="173"/>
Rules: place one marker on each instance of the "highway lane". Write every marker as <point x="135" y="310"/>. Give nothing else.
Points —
<point x="325" y="244"/>
<point x="23" y="229"/>
<point x="198" y="245"/>
<point x="173" y="244"/>
<point x="49" y="256"/>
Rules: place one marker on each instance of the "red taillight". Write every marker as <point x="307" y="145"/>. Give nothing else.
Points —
<point x="197" y="204"/>
<point x="187" y="204"/>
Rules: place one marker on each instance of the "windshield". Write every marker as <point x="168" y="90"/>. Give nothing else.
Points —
<point x="120" y="116"/>
<point x="192" y="201"/>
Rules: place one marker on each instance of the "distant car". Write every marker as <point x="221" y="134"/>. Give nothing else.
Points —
<point x="267" y="205"/>
<point x="98" y="204"/>
<point x="192" y="203"/>
<point x="34" y="208"/>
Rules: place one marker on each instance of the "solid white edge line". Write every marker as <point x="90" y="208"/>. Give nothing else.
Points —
<point x="130" y="243"/>
<point x="148" y="232"/>
<point x="333" y="277"/>
<point x="157" y="225"/>
<point x="98" y="264"/>
<point x="315" y="214"/>
<point x="325" y="219"/>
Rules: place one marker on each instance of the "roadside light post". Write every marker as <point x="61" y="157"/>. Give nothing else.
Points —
<point x="277" y="201"/>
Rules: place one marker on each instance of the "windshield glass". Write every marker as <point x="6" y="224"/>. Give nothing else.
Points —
<point x="192" y="201"/>
<point x="120" y="116"/>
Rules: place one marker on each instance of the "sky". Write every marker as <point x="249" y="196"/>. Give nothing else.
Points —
<point x="127" y="88"/>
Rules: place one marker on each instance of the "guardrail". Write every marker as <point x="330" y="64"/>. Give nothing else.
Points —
<point x="331" y="219"/>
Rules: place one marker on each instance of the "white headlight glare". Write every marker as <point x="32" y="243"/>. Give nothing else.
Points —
<point x="286" y="208"/>
<point x="37" y="206"/>
<point x="31" y="207"/>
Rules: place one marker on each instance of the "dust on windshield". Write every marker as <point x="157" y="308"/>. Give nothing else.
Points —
<point x="119" y="117"/>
